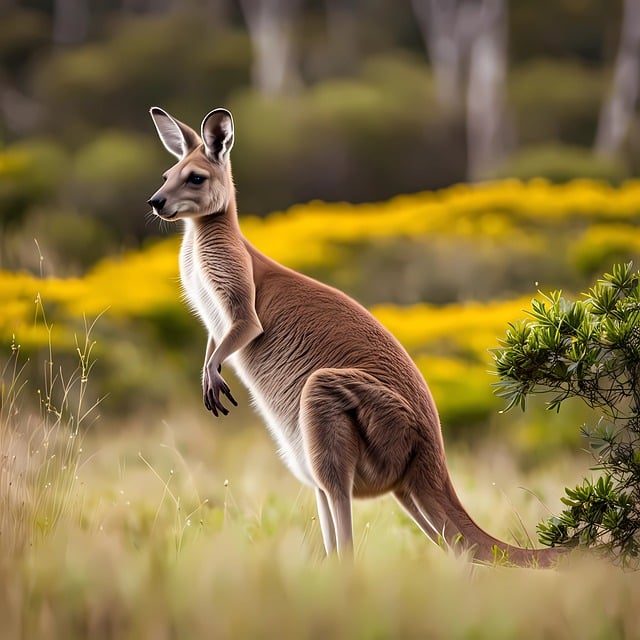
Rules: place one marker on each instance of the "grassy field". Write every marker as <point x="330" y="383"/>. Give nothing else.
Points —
<point x="192" y="528"/>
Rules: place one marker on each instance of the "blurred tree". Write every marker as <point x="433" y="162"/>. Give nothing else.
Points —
<point x="364" y="123"/>
<point x="19" y="112"/>
<point x="141" y="62"/>
<point x="146" y="6"/>
<point x="441" y="25"/>
<point x="270" y="26"/>
<point x="578" y="30"/>
<point x="24" y="36"/>
<point x="487" y="118"/>
<point x="113" y="158"/>
<point x="467" y="45"/>
<point x="561" y="163"/>
<point x="342" y="31"/>
<point x="70" y="21"/>
<point x="556" y="101"/>
<point x="618" y="109"/>
<point x="31" y="173"/>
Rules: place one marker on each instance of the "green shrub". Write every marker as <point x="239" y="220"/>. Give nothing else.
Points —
<point x="604" y="244"/>
<point x="68" y="242"/>
<point x="108" y="174"/>
<point x="176" y="59"/>
<point x="556" y="100"/>
<point x="588" y="349"/>
<point x="562" y="163"/>
<point x="30" y="173"/>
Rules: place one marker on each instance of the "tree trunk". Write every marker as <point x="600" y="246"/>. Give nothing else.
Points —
<point x="438" y="21"/>
<point x="70" y="21"/>
<point x="487" y="122"/>
<point x="342" y="32"/>
<point x="617" y="111"/>
<point x="269" y="26"/>
<point x="467" y="46"/>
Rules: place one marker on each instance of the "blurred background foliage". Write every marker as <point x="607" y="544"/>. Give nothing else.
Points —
<point x="393" y="256"/>
<point x="352" y="110"/>
<point x="347" y="102"/>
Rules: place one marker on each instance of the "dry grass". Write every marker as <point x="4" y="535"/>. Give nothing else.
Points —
<point x="188" y="529"/>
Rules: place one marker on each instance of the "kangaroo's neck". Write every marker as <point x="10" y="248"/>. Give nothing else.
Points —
<point x="220" y="248"/>
<point x="215" y="228"/>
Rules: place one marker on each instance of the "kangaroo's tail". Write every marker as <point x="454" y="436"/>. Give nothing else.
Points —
<point x="440" y="514"/>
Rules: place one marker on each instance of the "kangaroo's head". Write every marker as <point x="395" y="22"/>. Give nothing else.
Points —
<point x="200" y="183"/>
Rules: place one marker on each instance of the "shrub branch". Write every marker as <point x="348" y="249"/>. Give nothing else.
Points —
<point x="588" y="349"/>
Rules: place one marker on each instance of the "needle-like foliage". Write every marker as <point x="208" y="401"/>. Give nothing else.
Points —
<point x="589" y="349"/>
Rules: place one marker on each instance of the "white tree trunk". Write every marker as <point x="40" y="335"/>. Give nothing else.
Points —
<point x="438" y="21"/>
<point x="269" y="26"/>
<point x="467" y="45"/>
<point x="618" y="110"/>
<point x="487" y="122"/>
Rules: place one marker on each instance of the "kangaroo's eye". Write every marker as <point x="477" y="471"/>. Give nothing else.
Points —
<point x="194" y="178"/>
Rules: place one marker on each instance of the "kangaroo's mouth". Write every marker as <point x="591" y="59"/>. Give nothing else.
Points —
<point x="167" y="216"/>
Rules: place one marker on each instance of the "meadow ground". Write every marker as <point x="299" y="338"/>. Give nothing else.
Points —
<point x="188" y="528"/>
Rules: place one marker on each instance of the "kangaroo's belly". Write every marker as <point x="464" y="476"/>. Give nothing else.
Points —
<point x="280" y="413"/>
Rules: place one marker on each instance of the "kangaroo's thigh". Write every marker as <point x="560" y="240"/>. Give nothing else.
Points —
<point x="355" y="430"/>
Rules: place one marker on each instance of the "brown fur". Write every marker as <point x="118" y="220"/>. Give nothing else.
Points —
<point x="347" y="406"/>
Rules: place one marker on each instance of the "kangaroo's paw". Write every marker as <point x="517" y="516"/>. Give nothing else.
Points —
<point x="213" y="386"/>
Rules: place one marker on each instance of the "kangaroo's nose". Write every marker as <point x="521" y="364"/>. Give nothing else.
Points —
<point x="157" y="202"/>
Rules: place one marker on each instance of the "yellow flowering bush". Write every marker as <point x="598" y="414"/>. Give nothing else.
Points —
<point x="306" y="233"/>
<point x="605" y="243"/>
<point x="450" y="343"/>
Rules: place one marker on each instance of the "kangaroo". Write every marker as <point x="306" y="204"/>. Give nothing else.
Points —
<point x="349" y="410"/>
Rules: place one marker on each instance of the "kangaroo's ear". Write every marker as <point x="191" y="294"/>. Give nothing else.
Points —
<point x="177" y="137"/>
<point x="217" y="135"/>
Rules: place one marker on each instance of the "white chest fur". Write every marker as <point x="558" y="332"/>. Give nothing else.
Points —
<point x="201" y="298"/>
<point x="210" y="308"/>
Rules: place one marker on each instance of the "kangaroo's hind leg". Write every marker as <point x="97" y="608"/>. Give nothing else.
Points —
<point x="417" y="515"/>
<point x="327" y="525"/>
<point x="332" y="445"/>
<point x="353" y="435"/>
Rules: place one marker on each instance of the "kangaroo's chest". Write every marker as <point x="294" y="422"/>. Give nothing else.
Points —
<point x="201" y="296"/>
<point x="260" y="369"/>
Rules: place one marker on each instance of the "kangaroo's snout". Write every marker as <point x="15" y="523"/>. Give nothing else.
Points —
<point x="157" y="202"/>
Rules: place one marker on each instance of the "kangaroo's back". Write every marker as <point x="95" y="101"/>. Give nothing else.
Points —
<point x="309" y="325"/>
